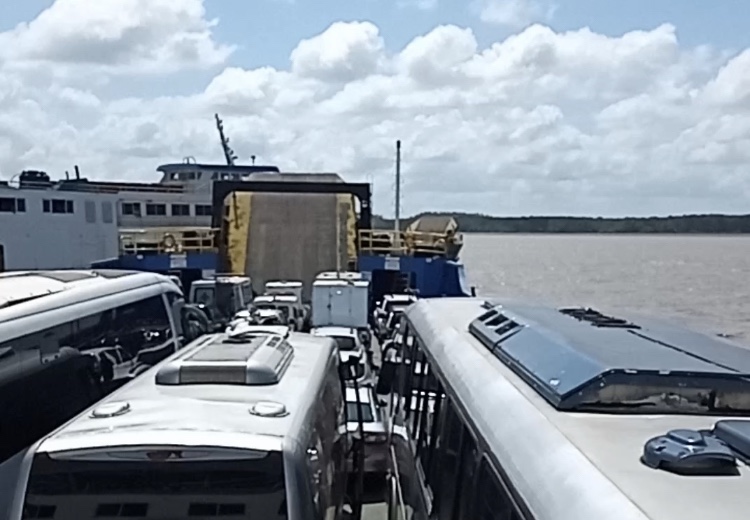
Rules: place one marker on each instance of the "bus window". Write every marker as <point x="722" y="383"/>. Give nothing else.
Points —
<point x="450" y="444"/>
<point x="429" y="406"/>
<point x="464" y="494"/>
<point x="492" y="501"/>
<point x="166" y="483"/>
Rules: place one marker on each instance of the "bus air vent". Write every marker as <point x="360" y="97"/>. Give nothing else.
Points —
<point x="255" y="359"/>
<point x="114" y="409"/>
<point x="597" y="319"/>
<point x="655" y="368"/>
<point x="689" y="452"/>
<point x="492" y="327"/>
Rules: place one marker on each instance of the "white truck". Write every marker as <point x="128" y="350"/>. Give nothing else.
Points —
<point x="340" y="275"/>
<point x="340" y="303"/>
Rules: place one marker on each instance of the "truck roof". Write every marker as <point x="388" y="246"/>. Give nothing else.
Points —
<point x="270" y="298"/>
<point x="334" y="331"/>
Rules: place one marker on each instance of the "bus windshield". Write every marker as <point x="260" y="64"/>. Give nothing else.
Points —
<point x="205" y="296"/>
<point x="162" y="485"/>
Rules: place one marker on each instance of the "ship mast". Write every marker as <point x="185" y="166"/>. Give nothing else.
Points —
<point x="397" y="219"/>
<point x="229" y="154"/>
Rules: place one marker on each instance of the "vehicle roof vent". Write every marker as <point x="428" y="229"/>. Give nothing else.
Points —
<point x="114" y="409"/>
<point x="268" y="409"/>
<point x="690" y="452"/>
<point x="493" y="327"/>
<point x="576" y="366"/>
<point x="243" y="330"/>
<point x="241" y="359"/>
<point x="597" y="319"/>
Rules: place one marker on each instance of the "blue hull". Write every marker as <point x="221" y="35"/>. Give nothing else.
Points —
<point x="434" y="277"/>
<point x="160" y="263"/>
<point x="429" y="277"/>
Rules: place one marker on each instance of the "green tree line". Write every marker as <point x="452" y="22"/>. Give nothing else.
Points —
<point x="477" y="223"/>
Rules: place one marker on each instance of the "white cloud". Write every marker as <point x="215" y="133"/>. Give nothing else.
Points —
<point x="513" y="13"/>
<point x="119" y="35"/>
<point x="344" y="52"/>
<point x="422" y="5"/>
<point x="540" y="122"/>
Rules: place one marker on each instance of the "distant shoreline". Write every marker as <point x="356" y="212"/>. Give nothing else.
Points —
<point x="672" y="225"/>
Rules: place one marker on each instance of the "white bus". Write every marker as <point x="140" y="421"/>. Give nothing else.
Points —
<point x="250" y="424"/>
<point x="521" y="412"/>
<point x="68" y="337"/>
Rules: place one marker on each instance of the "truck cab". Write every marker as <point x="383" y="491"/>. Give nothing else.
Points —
<point x="222" y="296"/>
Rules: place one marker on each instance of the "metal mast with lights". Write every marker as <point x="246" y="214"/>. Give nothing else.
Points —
<point x="229" y="154"/>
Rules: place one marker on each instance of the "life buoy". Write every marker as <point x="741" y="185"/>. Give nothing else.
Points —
<point x="169" y="241"/>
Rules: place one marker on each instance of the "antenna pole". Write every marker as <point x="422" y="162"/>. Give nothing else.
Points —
<point x="228" y="152"/>
<point x="397" y="219"/>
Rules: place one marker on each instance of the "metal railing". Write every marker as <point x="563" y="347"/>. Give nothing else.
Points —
<point x="80" y="186"/>
<point x="167" y="241"/>
<point x="407" y="243"/>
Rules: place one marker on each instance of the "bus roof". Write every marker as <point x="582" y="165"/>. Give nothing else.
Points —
<point x="30" y="292"/>
<point x="540" y="446"/>
<point x="188" y="400"/>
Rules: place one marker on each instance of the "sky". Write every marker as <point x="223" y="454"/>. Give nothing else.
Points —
<point x="503" y="107"/>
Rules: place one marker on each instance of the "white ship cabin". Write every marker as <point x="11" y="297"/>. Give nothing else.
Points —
<point x="235" y="426"/>
<point x="199" y="177"/>
<point x="183" y="196"/>
<point x="49" y="229"/>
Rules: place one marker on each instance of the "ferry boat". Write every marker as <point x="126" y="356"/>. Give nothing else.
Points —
<point x="491" y="405"/>
<point x="171" y="227"/>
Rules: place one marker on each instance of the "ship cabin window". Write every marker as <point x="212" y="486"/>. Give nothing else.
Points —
<point x="156" y="209"/>
<point x="89" y="209"/>
<point x="185" y="176"/>
<point x="180" y="210"/>
<point x="57" y="206"/>
<point x="203" y="210"/>
<point x="107" y="213"/>
<point x="219" y="176"/>
<point x="131" y="208"/>
<point x="12" y="205"/>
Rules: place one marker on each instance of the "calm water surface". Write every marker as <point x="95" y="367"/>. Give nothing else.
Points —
<point x="701" y="281"/>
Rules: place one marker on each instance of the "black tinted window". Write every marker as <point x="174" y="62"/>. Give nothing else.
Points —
<point x="141" y="329"/>
<point x="351" y="412"/>
<point x="160" y="486"/>
<point x="493" y="501"/>
<point x="345" y="342"/>
<point x="121" y="343"/>
<point x="204" y="295"/>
